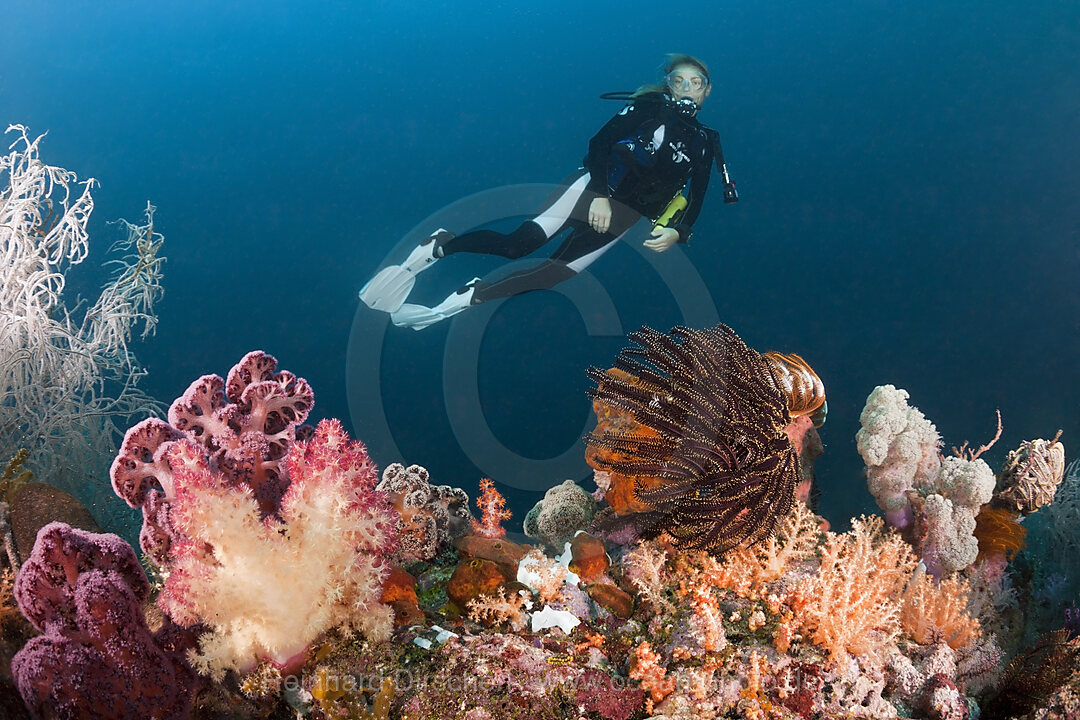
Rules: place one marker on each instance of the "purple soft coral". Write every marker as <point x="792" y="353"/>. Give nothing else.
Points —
<point x="96" y="658"/>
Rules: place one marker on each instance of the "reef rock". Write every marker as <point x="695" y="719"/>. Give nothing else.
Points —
<point x="36" y="504"/>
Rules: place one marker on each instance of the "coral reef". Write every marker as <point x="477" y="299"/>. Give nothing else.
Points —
<point x="96" y="656"/>
<point x="693" y="585"/>
<point x="68" y="376"/>
<point x="712" y="461"/>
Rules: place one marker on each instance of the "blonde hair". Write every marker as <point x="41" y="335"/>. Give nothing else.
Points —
<point x="672" y="61"/>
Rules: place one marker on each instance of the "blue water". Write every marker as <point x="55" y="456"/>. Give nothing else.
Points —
<point x="910" y="189"/>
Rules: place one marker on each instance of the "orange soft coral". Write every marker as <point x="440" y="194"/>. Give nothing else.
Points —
<point x="646" y="667"/>
<point x="492" y="511"/>
<point x="852" y="604"/>
<point x="708" y="618"/>
<point x="932" y="613"/>
<point x="745" y="568"/>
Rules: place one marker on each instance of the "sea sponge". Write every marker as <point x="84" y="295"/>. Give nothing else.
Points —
<point x="564" y="510"/>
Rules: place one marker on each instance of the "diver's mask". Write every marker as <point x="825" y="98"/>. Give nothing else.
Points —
<point x="686" y="81"/>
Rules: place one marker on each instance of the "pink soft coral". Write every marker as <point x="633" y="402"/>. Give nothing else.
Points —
<point x="243" y="425"/>
<point x="267" y="587"/>
<point x="267" y="540"/>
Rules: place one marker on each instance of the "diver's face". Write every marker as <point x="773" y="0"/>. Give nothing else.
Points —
<point x="686" y="81"/>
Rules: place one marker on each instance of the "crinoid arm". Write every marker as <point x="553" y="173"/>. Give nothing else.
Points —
<point x="708" y="418"/>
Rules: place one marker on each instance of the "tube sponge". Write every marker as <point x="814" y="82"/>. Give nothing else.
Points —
<point x="900" y="449"/>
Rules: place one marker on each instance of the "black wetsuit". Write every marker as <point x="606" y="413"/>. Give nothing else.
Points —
<point x="640" y="159"/>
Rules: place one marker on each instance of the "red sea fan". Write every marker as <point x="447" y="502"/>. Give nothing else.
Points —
<point x="710" y="419"/>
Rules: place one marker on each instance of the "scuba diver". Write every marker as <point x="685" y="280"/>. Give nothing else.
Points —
<point x="652" y="159"/>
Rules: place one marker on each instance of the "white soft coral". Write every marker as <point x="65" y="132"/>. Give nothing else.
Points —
<point x="900" y="449"/>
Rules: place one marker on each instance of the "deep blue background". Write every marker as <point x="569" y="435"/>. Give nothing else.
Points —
<point x="909" y="174"/>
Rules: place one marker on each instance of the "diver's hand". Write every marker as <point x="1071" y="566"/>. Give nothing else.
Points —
<point x="664" y="238"/>
<point x="600" y="214"/>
